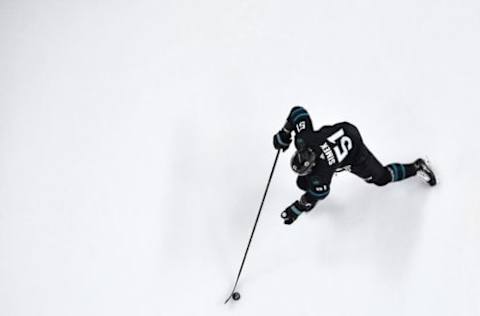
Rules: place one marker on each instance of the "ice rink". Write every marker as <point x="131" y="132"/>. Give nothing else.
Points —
<point x="136" y="143"/>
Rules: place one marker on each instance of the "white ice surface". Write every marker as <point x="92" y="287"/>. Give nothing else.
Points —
<point x="135" y="145"/>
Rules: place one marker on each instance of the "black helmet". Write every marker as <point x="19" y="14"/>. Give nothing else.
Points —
<point x="303" y="161"/>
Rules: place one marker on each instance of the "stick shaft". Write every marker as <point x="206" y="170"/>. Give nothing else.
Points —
<point x="256" y="222"/>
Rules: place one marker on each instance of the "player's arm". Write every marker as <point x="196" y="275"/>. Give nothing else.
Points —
<point x="298" y="121"/>
<point x="315" y="190"/>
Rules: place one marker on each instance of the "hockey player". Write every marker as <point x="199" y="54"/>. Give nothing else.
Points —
<point x="322" y="153"/>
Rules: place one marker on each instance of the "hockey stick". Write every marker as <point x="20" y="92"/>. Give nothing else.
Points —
<point x="235" y="295"/>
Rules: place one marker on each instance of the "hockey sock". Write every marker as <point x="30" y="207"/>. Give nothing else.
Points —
<point x="401" y="171"/>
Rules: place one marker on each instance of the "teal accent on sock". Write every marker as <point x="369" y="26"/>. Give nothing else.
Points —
<point x="404" y="172"/>
<point x="399" y="175"/>
<point x="394" y="172"/>
<point x="397" y="172"/>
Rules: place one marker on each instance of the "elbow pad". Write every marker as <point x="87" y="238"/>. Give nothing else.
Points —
<point x="299" y="120"/>
<point x="317" y="190"/>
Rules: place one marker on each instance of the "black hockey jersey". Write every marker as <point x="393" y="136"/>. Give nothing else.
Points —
<point x="336" y="147"/>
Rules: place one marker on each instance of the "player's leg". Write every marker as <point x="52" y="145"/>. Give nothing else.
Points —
<point x="399" y="172"/>
<point x="372" y="171"/>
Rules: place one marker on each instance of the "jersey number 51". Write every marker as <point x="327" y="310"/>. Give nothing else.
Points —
<point x="345" y="144"/>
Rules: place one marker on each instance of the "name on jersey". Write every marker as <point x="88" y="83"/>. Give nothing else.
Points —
<point x="328" y="153"/>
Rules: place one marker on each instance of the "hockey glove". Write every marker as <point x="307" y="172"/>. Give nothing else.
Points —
<point x="282" y="140"/>
<point x="291" y="214"/>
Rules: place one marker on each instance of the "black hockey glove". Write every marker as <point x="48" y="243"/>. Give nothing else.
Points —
<point x="282" y="140"/>
<point x="292" y="212"/>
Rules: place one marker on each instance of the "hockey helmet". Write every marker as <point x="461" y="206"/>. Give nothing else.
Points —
<point x="303" y="161"/>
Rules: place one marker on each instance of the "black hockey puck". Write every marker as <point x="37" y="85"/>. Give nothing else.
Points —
<point x="236" y="296"/>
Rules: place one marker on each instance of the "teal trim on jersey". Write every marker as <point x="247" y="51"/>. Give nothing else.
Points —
<point x="299" y="116"/>
<point x="295" y="210"/>
<point x="319" y="195"/>
<point x="279" y="139"/>
<point x="297" y="111"/>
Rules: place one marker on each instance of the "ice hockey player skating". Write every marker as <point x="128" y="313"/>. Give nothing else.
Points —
<point x="321" y="153"/>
